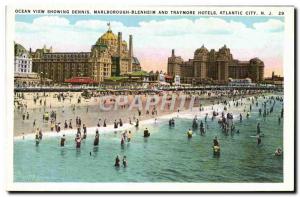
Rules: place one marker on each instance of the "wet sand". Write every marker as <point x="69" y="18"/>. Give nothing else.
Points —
<point x="89" y="112"/>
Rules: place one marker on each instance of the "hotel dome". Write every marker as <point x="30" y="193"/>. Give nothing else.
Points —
<point x="201" y="50"/>
<point x="108" y="36"/>
<point x="201" y="53"/>
<point x="19" y="49"/>
<point x="255" y="61"/>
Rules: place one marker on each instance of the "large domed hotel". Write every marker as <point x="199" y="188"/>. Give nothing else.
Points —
<point x="109" y="56"/>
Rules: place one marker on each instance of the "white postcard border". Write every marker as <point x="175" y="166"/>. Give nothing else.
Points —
<point x="288" y="59"/>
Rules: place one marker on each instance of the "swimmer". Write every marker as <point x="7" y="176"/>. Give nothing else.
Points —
<point x="146" y="133"/>
<point x="278" y="152"/>
<point x="190" y="133"/>
<point x="258" y="140"/>
<point x="216" y="141"/>
<point x="117" y="161"/>
<point x="96" y="140"/>
<point x="62" y="140"/>
<point x="124" y="162"/>
<point x="37" y="140"/>
<point x="122" y="141"/>
<point x="258" y="128"/>
<point x="78" y="141"/>
<point x="84" y="131"/>
<point x="40" y="134"/>
<point x="129" y="136"/>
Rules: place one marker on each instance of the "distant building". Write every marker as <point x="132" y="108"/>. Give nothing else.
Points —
<point x="23" y="61"/>
<point x="23" y="75"/>
<point x="177" y="80"/>
<point x="26" y="79"/>
<point x="108" y="57"/>
<point x="136" y="66"/>
<point x="214" y="66"/>
<point x="275" y="80"/>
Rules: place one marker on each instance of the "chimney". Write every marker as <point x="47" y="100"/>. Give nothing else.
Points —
<point x="119" y="43"/>
<point x="173" y="52"/>
<point x="130" y="53"/>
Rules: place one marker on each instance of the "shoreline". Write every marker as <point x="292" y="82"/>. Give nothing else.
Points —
<point x="185" y="114"/>
<point x="163" y="116"/>
<point x="108" y="129"/>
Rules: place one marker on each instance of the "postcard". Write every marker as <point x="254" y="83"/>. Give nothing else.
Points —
<point x="150" y="98"/>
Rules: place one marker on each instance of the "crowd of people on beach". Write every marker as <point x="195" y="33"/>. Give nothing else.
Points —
<point x="230" y="100"/>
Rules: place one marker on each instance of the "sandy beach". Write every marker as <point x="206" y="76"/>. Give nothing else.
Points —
<point x="91" y="114"/>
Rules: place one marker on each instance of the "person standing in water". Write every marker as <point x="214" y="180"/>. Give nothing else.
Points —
<point x="124" y="161"/>
<point x="202" y="130"/>
<point x="96" y="140"/>
<point x="122" y="140"/>
<point x="40" y="134"/>
<point x="84" y="131"/>
<point x="117" y="161"/>
<point x="146" y="133"/>
<point x="62" y="140"/>
<point x="258" y="128"/>
<point x="216" y="141"/>
<point x="129" y="136"/>
<point x="258" y="140"/>
<point x="37" y="140"/>
<point x="190" y="133"/>
<point x="248" y="114"/>
<point x="78" y="141"/>
<point x="259" y="110"/>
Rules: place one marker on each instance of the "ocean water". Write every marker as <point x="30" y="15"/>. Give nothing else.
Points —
<point x="166" y="156"/>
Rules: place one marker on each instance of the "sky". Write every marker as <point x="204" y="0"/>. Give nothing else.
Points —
<point x="155" y="36"/>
